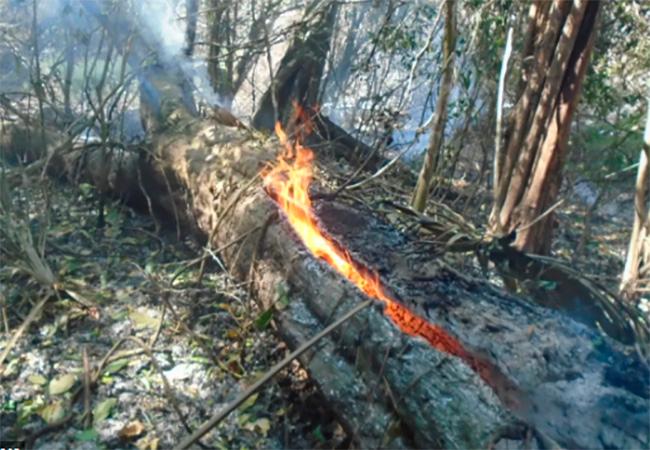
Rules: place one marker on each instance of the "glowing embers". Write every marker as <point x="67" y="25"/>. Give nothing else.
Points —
<point x="288" y="181"/>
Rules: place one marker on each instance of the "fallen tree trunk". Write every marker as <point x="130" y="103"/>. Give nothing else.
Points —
<point x="507" y="361"/>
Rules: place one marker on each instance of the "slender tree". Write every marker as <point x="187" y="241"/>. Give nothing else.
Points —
<point x="558" y="43"/>
<point x="219" y="21"/>
<point x="192" y="13"/>
<point x="432" y="156"/>
<point x="637" y="264"/>
<point x="498" y="139"/>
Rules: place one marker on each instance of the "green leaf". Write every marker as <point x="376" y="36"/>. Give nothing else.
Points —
<point x="28" y="407"/>
<point x="318" y="434"/>
<point x="150" y="267"/>
<point x="103" y="410"/>
<point x="250" y="401"/>
<point x="62" y="384"/>
<point x="116" y="366"/>
<point x="113" y="217"/>
<point x="547" y="285"/>
<point x="242" y="419"/>
<point x="283" y="301"/>
<point x="200" y="359"/>
<point x="9" y="405"/>
<point x="264" y="319"/>
<point x="88" y="435"/>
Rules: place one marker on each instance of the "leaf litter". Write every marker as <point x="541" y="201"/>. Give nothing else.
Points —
<point x="209" y="342"/>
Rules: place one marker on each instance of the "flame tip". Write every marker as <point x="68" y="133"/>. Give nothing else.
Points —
<point x="289" y="179"/>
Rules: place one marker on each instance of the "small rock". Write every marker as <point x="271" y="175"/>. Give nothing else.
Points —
<point x="110" y="429"/>
<point x="164" y="360"/>
<point x="120" y="328"/>
<point x="182" y="371"/>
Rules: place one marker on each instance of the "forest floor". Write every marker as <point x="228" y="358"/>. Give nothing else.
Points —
<point x="209" y="339"/>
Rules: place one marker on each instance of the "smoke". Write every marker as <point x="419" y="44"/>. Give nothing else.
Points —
<point x="162" y="28"/>
<point x="159" y="19"/>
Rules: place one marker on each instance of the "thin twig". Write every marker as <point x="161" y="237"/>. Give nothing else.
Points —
<point x="206" y="254"/>
<point x="169" y="393"/>
<point x="198" y="339"/>
<point x="154" y="337"/>
<point x="88" y="419"/>
<point x="379" y="172"/>
<point x="541" y="216"/>
<point x="217" y="418"/>
<point x="26" y="323"/>
<point x="3" y="311"/>
<point x="233" y="201"/>
<point x="257" y="250"/>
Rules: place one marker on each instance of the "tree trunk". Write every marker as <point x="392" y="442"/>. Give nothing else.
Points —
<point x="192" y="17"/>
<point x="498" y="138"/>
<point x="216" y="41"/>
<point x="432" y="157"/>
<point x="531" y="174"/>
<point x="637" y="263"/>
<point x="299" y="75"/>
<point x="67" y="80"/>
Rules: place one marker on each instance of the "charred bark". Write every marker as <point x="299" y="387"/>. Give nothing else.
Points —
<point x="459" y="364"/>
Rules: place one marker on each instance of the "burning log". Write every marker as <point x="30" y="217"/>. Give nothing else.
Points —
<point x="442" y="361"/>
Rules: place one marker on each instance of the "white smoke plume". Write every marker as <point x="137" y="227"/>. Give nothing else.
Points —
<point x="159" y="19"/>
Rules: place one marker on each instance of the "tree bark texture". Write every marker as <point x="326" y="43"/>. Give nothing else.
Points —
<point x="541" y="120"/>
<point x="460" y="364"/>
<point x="192" y="17"/>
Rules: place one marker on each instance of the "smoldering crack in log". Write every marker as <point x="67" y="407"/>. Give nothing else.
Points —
<point x="553" y="359"/>
<point x="559" y="371"/>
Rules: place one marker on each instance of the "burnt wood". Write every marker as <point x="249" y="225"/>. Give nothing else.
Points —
<point x="515" y="362"/>
<point x="521" y="363"/>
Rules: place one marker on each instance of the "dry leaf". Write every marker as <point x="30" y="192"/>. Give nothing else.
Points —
<point x="148" y="442"/>
<point x="53" y="413"/>
<point x="263" y="425"/>
<point x="37" y="379"/>
<point x="131" y="430"/>
<point x="62" y="384"/>
<point x="142" y="320"/>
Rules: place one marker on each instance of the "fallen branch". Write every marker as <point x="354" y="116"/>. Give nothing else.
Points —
<point x="217" y="418"/>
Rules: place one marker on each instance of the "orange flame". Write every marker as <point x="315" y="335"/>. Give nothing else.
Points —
<point x="289" y="181"/>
